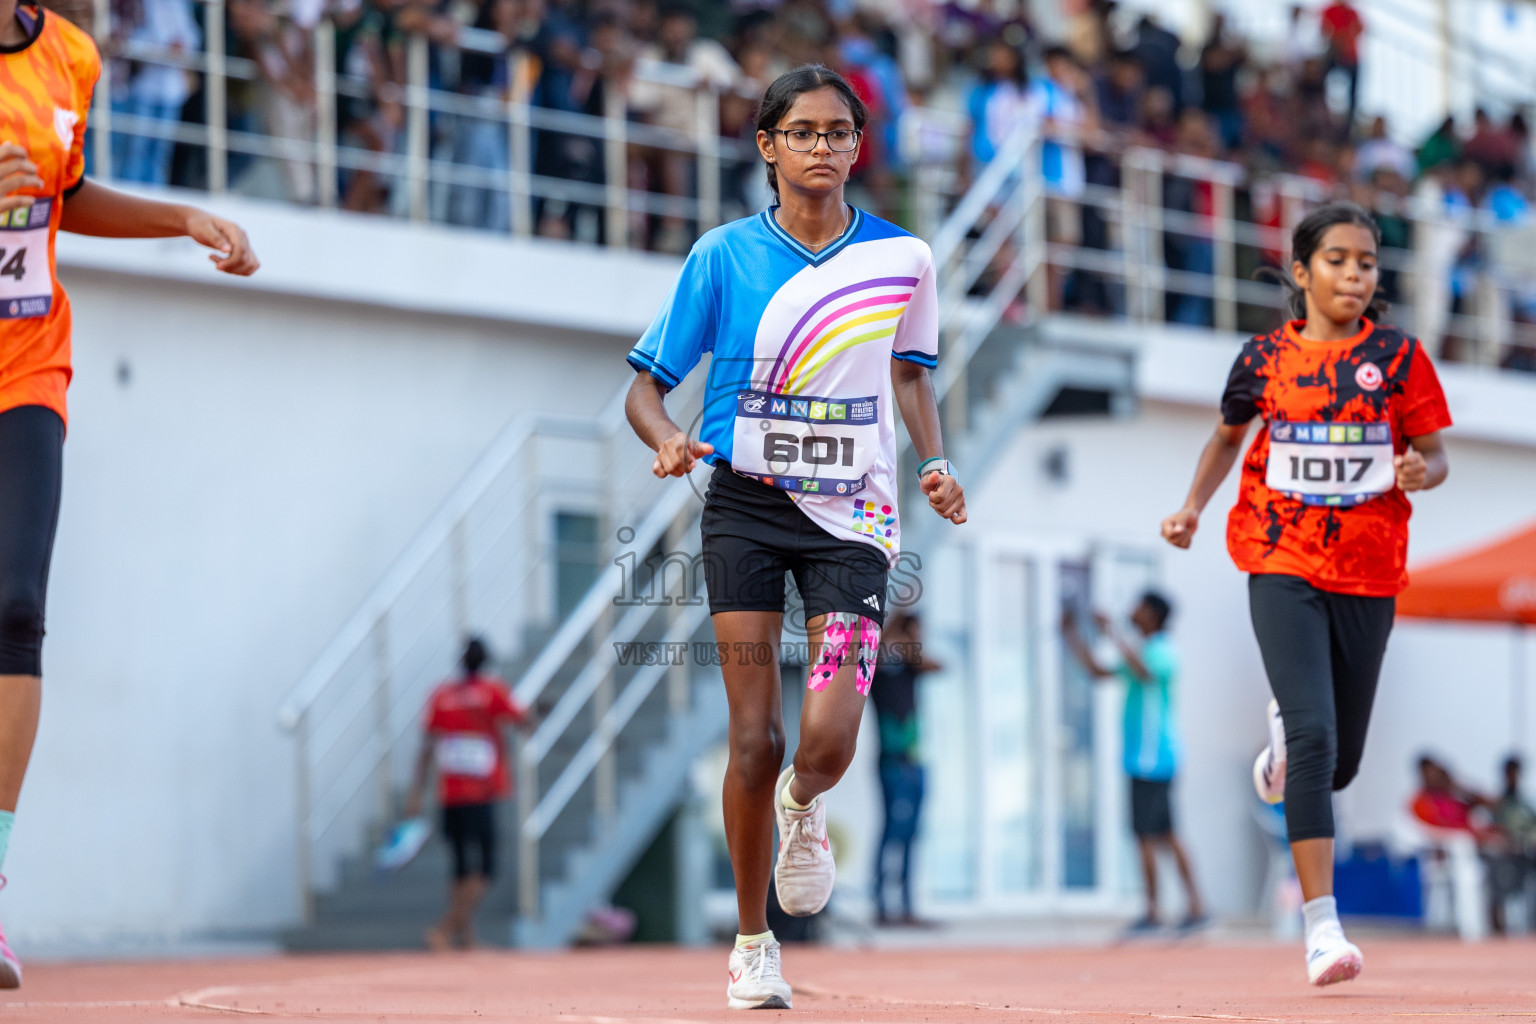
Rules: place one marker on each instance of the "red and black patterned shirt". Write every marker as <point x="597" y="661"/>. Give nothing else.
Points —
<point x="1336" y="530"/>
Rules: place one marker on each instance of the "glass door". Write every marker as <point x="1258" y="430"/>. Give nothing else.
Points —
<point x="1029" y="749"/>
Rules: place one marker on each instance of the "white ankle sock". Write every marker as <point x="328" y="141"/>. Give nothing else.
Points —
<point x="752" y="940"/>
<point x="789" y="801"/>
<point x="1320" y="913"/>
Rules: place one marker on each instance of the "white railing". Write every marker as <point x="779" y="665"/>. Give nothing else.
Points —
<point x="484" y="562"/>
<point x="596" y="699"/>
<point x="1141" y="223"/>
<point x="318" y="154"/>
<point x="998" y="236"/>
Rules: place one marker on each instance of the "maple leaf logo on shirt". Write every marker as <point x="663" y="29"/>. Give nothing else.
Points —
<point x="64" y="122"/>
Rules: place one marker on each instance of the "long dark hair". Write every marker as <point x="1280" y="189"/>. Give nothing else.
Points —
<point x="1304" y="242"/>
<point x="781" y="95"/>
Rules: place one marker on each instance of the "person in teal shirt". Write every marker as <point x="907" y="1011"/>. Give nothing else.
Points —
<point x="1148" y="664"/>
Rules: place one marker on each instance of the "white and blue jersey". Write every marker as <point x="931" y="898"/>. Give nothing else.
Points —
<point x="799" y="389"/>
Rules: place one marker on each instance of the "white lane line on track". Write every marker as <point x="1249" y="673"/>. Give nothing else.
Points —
<point x="202" y="999"/>
<point x="88" y="1004"/>
<point x="811" y="990"/>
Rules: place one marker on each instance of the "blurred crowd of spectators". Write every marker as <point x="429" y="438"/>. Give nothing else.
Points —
<point x="1113" y="78"/>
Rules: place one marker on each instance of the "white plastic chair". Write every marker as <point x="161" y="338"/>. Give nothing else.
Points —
<point x="1455" y="881"/>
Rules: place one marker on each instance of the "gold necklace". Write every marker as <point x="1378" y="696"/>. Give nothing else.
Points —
<point x="818" y="246"/>
<point x="837" y="234"/>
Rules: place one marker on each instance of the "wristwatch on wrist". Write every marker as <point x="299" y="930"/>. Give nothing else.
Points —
<point x="937" y="464"/>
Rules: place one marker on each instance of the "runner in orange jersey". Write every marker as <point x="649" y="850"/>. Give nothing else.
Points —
<point x="48" y="70"/>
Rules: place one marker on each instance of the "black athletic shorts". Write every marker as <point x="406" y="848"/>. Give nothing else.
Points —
<point x="1151" y="807"/>
<point x="471" y="831"/>
<point x="754" y="534"/>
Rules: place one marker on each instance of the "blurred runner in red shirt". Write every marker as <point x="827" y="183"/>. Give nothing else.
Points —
<point x="464" y="722"/>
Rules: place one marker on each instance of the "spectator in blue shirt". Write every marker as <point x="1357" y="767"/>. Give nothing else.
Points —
<point x="997" y="104"/>
<point x="1147" y="663"/>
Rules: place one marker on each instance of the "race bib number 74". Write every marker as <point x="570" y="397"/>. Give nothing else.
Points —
<point x="1330" y="463"/>
<point x="26" y="283"/>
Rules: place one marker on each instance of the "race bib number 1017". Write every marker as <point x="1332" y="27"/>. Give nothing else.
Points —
<point x="26" y="282"/>
<point x="1330" y="463"/>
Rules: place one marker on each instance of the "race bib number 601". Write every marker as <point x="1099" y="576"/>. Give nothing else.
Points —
<point x="805" y="443"/>
<point x="26" y="283"/>
<point x="1330" y="463"/>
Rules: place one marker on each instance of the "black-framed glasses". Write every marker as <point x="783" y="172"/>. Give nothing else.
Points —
<point x="803" y="140"/>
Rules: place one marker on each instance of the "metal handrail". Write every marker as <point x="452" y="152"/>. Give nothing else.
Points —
<point x="593" y="685"/>
<point x="432" y="536"/>
<point x="606" y="733"/>
<point x="598" y="599"/>
<point x="325" y="796"/>
<point x="1001" y="217"/>
<point x="325" y="154"/>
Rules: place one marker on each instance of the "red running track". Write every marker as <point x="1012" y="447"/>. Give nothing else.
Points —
<point x="1405" y="979"/>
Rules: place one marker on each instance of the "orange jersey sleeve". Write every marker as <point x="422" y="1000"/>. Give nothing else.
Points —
<point x="47" y="83"/>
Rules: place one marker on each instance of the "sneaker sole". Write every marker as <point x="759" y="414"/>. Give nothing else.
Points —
<point x="806" y="912"/>
<point x="771" y="1003"/>
<point x="1258" y="781"/>
<point x="1344" y="969"/>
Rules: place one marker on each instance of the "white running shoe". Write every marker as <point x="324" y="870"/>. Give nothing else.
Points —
<point x="1269" y="769"/>
<point x="1331" y="958"/>
<point x="10" y="967"/>
<point x="757" y="983"/>
<point x="805" y="871"/>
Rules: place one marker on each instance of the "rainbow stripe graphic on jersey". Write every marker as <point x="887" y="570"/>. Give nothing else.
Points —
<point x="800" y="347"/>
<point x="844" y="327"/>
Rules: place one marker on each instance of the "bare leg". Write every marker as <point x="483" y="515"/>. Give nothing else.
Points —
<point x="21" y="699"/>
<point x="457" y="925"/>
<point x="756" y="753"/>
<point x="1149" y="873"/>
<point x="1187" y="874"/>
<point x="1314" y="867"/>
<point x="467" y="894"/>
<point x="829" y="724"/>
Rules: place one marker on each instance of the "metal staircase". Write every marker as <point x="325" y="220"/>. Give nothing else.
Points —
<point x="627" y="701"/>
<point x="486" y="561"/>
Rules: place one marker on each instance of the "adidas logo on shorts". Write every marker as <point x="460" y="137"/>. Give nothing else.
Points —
<point x="873" y="600"/>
